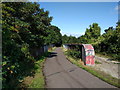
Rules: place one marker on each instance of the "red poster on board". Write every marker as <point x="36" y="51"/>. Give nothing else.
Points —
<point x="90" y="54"/>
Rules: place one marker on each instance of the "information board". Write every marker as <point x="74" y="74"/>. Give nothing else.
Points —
<point x="89" y="54"/>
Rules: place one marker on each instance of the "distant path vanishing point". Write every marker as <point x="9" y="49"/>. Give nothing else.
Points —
<point x="60" y="73"/>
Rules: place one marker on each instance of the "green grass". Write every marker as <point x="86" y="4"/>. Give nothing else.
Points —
<point x="52" y="49"/>
<point x="104" y="55"/>
<point x="38" y="80"/>
<point x="109" y="56"/>
<point x="100" y="74"/>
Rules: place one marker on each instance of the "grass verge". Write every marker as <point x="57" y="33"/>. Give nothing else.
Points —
<point x="52" y="49"/>
<point x="103" y="55"/>
<point x="109" y="56"/>
<point x="100" y="74"/>
<point x="38" y="80"/>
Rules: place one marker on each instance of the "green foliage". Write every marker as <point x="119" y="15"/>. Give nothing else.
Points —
<point x="38" y="80"/>
<point x="107" y="43"/>
<point x="74" y="53"/>
<point x="54" y="36"/>
<point x="24" y="26"/>
<point x="69" y="39"/>
<point x="91" y="34"/>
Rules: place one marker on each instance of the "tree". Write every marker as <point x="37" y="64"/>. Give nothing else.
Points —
<point x="25" y="26"/>
<point x="69" y="39"/>
<point x="108" y="43"/>
<point x="91" y="34"/>
<point x="65" y="39"/>
<point x="54" y="36"/>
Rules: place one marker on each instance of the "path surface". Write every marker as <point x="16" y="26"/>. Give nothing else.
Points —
<point x="60" y="73"/>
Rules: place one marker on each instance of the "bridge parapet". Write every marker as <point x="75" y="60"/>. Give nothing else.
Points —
<point x="88" y="54"/>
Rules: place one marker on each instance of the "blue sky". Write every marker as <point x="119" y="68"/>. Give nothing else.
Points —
<point x="74" y="17"/>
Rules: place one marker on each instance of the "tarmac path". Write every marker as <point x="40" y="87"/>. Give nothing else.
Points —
<point x="60" y="73"/>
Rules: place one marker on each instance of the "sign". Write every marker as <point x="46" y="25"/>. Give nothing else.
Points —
<point x="89" y="54"/>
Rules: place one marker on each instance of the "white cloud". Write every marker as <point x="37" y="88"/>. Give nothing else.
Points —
<point x="117" y="7"/>
<point x="72" y="34"/>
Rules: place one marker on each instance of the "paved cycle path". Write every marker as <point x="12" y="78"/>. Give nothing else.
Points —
<point x="60" y="73"/>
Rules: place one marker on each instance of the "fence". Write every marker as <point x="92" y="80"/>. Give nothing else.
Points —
<point x="40" y="51"/>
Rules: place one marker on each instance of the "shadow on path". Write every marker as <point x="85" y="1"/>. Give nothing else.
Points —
<point x="52" y="54"/>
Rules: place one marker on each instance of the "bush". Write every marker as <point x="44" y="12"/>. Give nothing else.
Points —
<point x="74" y="53"/>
